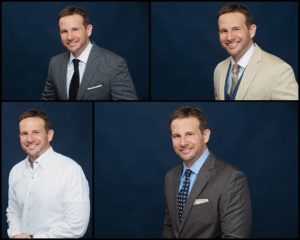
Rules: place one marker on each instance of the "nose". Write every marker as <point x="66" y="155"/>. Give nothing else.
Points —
<point x="183" y="141"/>
<point x="69" y="35"/>
<point x="229" y="36"/>
<point x="29" y="138"/>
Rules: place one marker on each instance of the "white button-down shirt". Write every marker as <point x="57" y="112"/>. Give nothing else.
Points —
<point x="50" y="200"/>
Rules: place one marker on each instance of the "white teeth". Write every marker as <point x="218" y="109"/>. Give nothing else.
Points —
<point x="185" y="151"/>
<point x="31" y="146"/>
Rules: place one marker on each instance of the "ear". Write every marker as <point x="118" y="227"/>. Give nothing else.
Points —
<point x="252" y="30"/>
<point x="89" y="29"/>
<point x="50" y="135"/>
<point x="206" y="135"/>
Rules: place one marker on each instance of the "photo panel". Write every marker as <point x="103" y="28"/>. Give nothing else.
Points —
<point x="185" y="47"/>
<point x="29" y="43"/>
<point x="133" y="152"/>
<point x="73" y="137"/>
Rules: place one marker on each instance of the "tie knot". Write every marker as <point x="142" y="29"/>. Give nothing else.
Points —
<point x="75" y="62"/>
<point x="235" y="68"/>
<point x="187" y="172"/>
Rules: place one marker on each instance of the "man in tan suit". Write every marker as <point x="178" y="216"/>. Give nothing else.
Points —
<point x="205" y="197"/>
<point x="249" y="73"/>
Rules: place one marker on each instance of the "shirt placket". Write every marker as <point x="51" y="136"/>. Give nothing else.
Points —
<point x="29" y="203"/>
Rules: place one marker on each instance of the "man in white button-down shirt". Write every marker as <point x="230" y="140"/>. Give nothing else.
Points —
<point x="48" y="192"/>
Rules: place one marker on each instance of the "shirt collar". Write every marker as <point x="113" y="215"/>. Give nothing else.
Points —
<point x="243" y="62"/>
<point x="41" y="160"/>
<point x="195" y="168"/>
<point x="84" y="55"/>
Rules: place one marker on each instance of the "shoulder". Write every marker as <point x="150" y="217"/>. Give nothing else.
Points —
<point x="272" y="60"/>
<point x="60" y="57"/>
<point x="108" y="56"/>
<point x="174" y="172"/>
<point x="18" y="169"/>
<point x="221" y="65"/>
<point x="19" y="166"/>
<point x="225" y="171"/>
<point x="63" y="162"/>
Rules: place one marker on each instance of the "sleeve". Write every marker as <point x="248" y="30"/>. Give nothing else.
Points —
<point x="76" y="205"/>
<point x="167" y="226"/>
<point x="122" y="87"/>
<point x="235" y="208"/>
<point x="285" y="86"/>
<point x="49" y="92"/>
<point x="13" y="211"/>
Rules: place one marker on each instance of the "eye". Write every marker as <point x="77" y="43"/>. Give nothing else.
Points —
<point x="175" y="136"/>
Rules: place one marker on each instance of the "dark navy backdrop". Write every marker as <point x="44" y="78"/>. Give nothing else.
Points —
<point x="30" y="38"/>
<point x="133" y="151"/>
<point x="185" y="44"/>
<point x="72" y="123"/>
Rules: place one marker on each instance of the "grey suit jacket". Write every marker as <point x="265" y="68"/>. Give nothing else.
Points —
<point x="225" y="208"/>
<point x="106" y="77"/>
<point x="266" y="77"/>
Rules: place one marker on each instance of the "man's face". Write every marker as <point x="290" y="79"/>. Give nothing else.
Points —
<point x="74" y="35"/>
<point x="234" y="34"/>
<point x="188" y="141"/>
<point x="33" y="137"/>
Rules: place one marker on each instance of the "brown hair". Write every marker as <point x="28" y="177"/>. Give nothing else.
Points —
<point x="37" y="113"/>
<point x="70" y="10"/>
<point x="185" y="112"/>
<point x="236" y="7"/>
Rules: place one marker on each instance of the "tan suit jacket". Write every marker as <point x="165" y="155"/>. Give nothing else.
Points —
<point x="266" y="77"/>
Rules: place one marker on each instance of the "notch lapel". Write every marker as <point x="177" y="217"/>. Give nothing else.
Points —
<point x="198" y="187"/>
<point x="249" y="74"/>
<point x="223" y="78"/>
<point x="91" y="67"/>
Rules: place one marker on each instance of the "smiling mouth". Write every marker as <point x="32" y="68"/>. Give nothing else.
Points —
<point x="185" y="151"/>
<point x="32" y="146"/>
<point x="232" y="45"/>
<point x="72" y="44"/>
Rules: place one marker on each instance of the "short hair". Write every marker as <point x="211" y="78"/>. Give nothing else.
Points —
<point x="236" y="7"/>
<point x="70" y="10"/>
<point x="39" y="114"/>
<point x="185" y="112"/>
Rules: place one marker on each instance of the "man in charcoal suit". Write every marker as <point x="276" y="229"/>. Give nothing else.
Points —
<point x="205" y="197"/>
<point x="86" y="71"/>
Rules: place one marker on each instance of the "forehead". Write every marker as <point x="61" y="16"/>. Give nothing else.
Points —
<point x="31" y="122"/>
<point x="232" y="18"/>
<point x="185" y="124"/>
<point x="74" y="19"/>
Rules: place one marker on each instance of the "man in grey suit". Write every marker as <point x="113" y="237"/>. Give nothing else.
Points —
<point x="86" y="71"/>
<point x="205" y="197"/>
<point x="249" y="73"/>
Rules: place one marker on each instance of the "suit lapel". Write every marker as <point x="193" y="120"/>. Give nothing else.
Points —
<point x="249" y="74"/>
<point x="223" y="77"/>
<point x="174" y="194"/>
<point x="91" y="67"/>
<point x="198" y="186"/>
<point x="62" y="82"/>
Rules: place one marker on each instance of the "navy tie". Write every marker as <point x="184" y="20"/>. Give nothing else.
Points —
<point x="183" y="194"/>
<point x="74" y="85"/>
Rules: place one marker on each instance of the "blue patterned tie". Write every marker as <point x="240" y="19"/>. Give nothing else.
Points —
<point x="183" y="193"/>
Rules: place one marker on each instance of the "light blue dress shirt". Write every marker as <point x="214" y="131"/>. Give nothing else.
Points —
<point x="195" y="168"/>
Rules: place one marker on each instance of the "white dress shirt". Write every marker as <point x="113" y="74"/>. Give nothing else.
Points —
<point x="50" y="200"/>
<point x="81" y="65"/>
